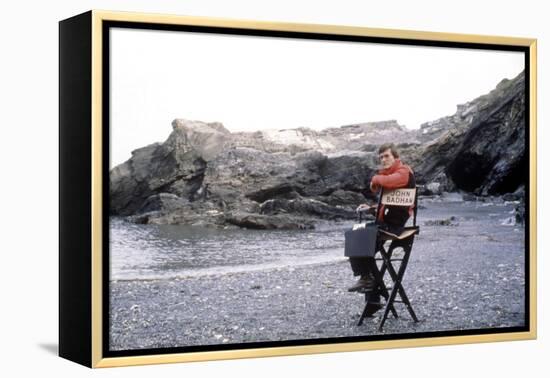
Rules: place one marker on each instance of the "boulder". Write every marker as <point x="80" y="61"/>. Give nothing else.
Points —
<point x="268" y="222"/>
<point x="305" y="207"/>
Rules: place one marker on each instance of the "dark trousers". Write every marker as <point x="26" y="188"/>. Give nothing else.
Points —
<point x="361" y="266"/>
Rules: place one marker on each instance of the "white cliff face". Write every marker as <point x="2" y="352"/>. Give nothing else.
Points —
<point x="301" y="137"/>
<point x="210" y="139"/>
<point x="207" y="139"/>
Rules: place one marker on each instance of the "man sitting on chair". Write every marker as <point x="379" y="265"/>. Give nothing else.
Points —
<point x="393" y="175"/>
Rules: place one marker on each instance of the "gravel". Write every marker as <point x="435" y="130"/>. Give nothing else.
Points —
<point x="458" y="278"/>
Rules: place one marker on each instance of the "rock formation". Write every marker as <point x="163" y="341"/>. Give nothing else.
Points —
<point x="481" y="148"/>
<point x="290" y="178"/>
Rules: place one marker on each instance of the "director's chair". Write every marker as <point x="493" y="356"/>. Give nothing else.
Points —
<point x="399" y="238"/>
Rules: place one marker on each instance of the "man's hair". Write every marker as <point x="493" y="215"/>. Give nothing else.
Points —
<point x="391" y="147"/>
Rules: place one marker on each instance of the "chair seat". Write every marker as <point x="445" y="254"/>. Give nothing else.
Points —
<point x="407" y="232"/>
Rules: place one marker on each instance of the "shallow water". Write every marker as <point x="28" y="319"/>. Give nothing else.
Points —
<point x="170" y="251"/>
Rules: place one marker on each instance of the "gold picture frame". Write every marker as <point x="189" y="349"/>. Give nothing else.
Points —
<point x="83" y="182"/>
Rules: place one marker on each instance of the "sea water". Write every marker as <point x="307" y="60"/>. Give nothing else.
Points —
<point x="138" y="251"/>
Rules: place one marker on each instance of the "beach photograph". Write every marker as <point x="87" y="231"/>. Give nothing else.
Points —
<point x="237" y="163"/>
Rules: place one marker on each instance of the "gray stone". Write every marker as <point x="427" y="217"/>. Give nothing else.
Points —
<point x="291" y="178"/>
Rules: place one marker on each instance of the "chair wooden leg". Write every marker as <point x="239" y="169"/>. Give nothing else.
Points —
<point x="389" y="305"/>
<point x="379" y="277"/>
<point x="397" y="278"/>
<point x="401" y="289"/>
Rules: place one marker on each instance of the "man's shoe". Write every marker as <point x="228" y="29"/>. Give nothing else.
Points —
<point x="373" y="307"/>
<point x="364" y="283"/>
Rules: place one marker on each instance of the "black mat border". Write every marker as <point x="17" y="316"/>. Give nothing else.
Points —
<point x="106" y="25"/>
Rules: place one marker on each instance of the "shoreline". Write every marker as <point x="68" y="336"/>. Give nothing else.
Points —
<point x="240" y="269"/>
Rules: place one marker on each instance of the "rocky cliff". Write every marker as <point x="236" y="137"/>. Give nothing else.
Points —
<point x="481" y="148"/>
<point x="290" y="178"/>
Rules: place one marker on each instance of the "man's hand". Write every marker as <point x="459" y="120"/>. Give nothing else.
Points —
<point x="373" y="187"/>
<point x="363" y="207"/>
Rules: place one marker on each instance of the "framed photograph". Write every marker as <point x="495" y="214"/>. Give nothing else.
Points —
<point x="239" y="188"/>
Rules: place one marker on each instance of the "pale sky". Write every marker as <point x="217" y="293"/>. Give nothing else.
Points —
<point x="255" y="83"/>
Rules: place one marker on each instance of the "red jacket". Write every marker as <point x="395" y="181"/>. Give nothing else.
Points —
<point x="399" y="175"/>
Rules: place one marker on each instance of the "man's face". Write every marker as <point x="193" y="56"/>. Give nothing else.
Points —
<point x="386" y="158"/>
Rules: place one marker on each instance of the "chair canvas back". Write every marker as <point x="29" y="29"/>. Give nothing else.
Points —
<point x="399" y="197"/>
